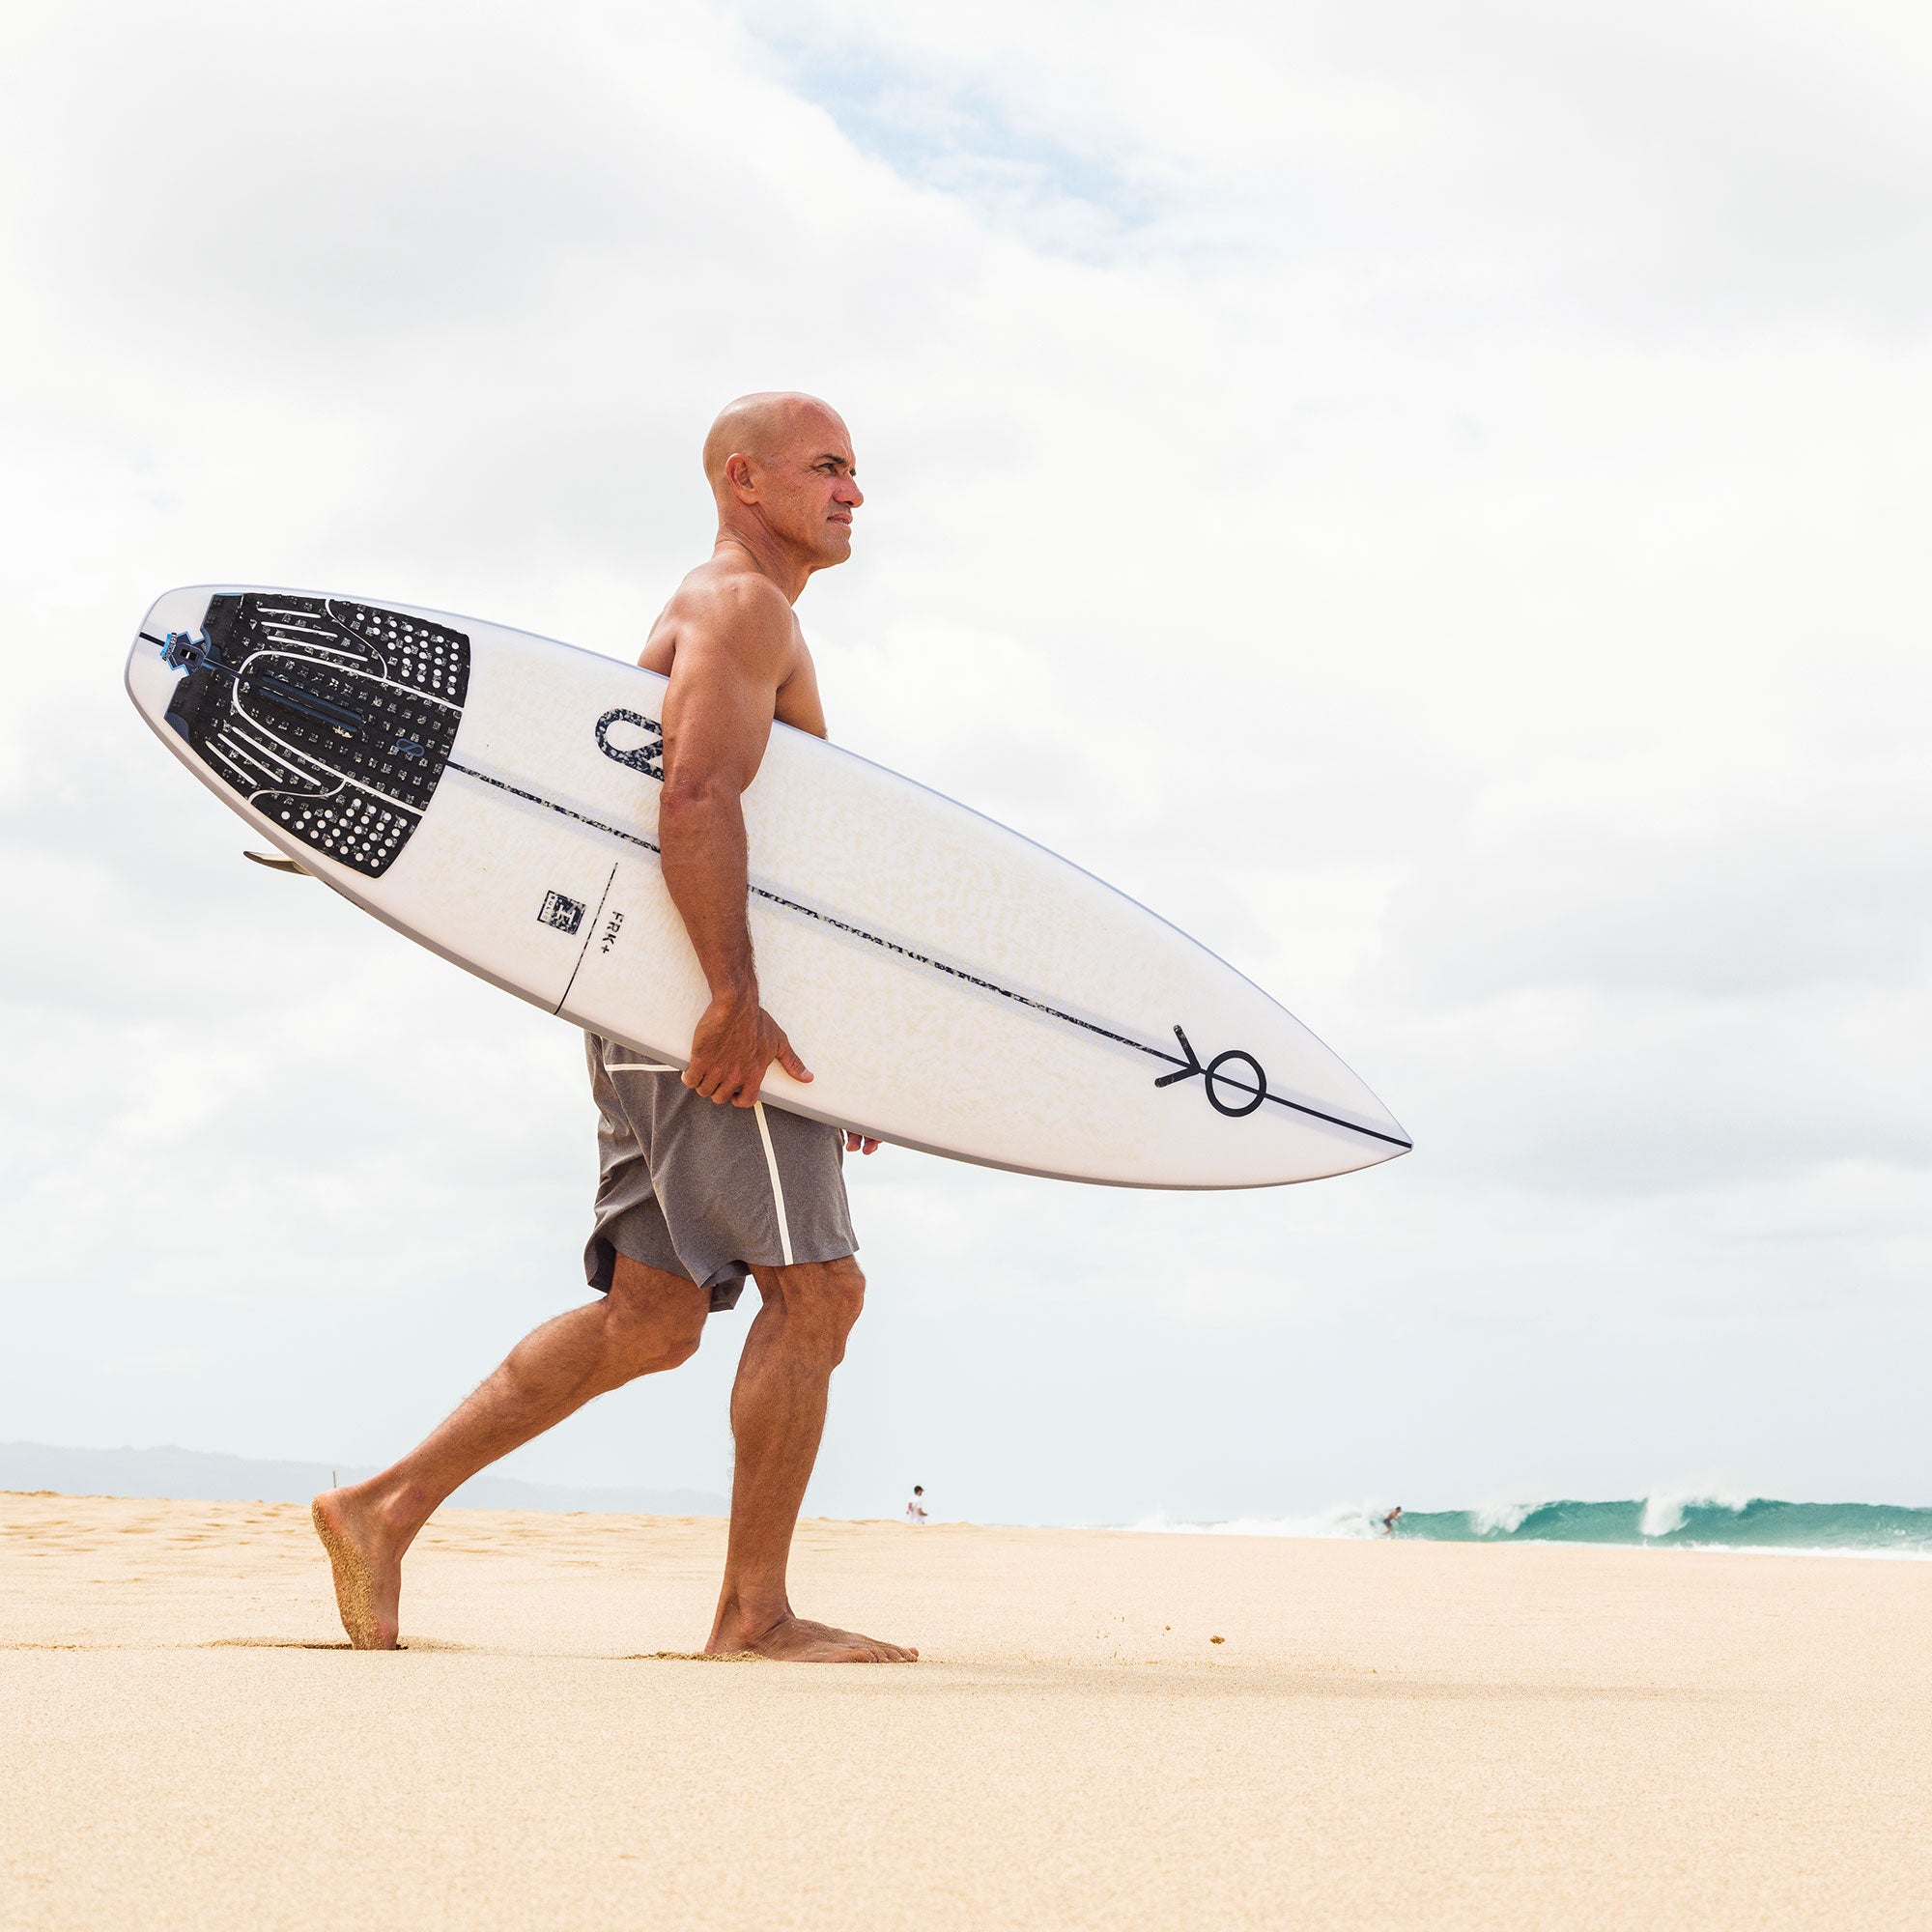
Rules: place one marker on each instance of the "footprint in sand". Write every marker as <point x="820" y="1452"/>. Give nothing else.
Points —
<point x="339" y="1643"/>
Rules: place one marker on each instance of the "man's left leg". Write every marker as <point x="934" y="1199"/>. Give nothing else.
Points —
<point x="778" y="1415"/>
<point x="649" y="1321"/>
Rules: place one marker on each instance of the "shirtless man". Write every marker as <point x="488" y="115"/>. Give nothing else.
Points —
<point x="701" y="1185"/>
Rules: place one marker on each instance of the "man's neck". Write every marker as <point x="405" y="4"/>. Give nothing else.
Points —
<point x="767" y="554"/>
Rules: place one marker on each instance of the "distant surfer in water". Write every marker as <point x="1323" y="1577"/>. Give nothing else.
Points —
<point x="1390" y="1521"/>
<point x="700" y="1185"/>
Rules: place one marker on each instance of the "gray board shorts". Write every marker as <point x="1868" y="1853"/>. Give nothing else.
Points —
<point x="705" y="1191"/>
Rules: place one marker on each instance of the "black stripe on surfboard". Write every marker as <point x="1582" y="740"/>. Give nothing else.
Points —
<point x="583" y="951"/>
<point x="1184" y="1067"/>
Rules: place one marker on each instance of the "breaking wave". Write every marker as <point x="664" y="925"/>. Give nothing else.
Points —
<point x="1665" y="1520"/>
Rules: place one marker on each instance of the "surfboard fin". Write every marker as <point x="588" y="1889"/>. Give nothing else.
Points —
<point x="277" y="862"/>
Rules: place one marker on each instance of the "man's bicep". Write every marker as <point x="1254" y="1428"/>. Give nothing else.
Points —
<point x="718" y="710"/>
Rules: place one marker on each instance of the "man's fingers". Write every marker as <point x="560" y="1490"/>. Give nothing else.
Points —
<point x="730" y="1070"/>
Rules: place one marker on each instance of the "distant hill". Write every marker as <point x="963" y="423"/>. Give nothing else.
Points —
<point x="198" y="1474"/>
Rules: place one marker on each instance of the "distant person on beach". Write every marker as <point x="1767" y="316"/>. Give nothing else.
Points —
<point x="915" y="1509"/>
<point x="700" y="1185"/>
<point x="1390" y="1521"/>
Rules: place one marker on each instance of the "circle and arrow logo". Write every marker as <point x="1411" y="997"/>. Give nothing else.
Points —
<point x="1245" y="1083"/>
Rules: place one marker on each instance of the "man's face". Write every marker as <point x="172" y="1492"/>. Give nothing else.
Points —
<point x="808" y="490"/>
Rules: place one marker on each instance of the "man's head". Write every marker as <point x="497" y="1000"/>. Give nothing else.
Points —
<point x="781" y="468"/>
<point x="919" y="1489"/>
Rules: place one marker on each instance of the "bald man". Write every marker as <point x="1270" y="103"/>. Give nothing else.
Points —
<point x="701" y="1185"/>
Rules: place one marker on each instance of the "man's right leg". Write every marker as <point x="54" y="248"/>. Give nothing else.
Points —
<point x="649" y="1321"/>
<point x="777" y="1416"/>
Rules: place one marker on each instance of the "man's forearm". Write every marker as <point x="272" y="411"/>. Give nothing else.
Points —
<point x="702" y="836"/>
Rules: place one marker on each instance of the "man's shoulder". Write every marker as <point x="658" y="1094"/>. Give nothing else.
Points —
<point x="730" y="594"/>
<point x="726" y="613"/>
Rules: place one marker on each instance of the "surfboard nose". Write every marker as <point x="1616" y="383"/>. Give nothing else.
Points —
<point x="1365" y="1110"/>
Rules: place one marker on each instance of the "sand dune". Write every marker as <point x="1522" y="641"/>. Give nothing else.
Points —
<point x="1388" y="1735"/>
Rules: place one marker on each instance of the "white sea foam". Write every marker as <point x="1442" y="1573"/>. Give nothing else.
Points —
<point x="1501" y="1518"/>
<point x="1663" y="1509"/>
<point x="1341" y="1519"/>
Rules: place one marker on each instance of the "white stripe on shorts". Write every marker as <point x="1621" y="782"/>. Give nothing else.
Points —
<point x="778" y="1186"/>
<point x="638" y="1066"/>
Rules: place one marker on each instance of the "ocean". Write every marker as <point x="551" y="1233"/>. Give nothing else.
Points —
<point x="1659" y="1522"/>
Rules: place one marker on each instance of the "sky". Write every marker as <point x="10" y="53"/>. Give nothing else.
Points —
<point x="1430" y="500"/>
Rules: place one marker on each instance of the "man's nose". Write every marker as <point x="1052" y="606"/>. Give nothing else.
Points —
<point x="851" y="493"/>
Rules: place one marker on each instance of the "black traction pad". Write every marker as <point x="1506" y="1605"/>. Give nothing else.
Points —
<point x="334" y="719"/>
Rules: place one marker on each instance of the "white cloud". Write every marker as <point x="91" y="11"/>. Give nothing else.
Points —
<point x="161" y="1362"/>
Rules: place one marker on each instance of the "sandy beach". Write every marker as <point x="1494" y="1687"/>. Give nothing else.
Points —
<point x="1389" y="1735"/>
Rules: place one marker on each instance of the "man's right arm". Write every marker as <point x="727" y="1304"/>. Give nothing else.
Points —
<point x="733" y="650"/>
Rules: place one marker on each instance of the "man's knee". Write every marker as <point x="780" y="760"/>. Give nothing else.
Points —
<point x="826" y="1299"/>
<point x="653" y="1321"/>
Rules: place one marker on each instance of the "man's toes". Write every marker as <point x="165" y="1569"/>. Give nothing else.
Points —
<point x="876" y="1650"/>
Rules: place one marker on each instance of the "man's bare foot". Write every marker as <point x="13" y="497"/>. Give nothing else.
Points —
<point x="368" y="1568"/>
<point x="799" y="1641"/>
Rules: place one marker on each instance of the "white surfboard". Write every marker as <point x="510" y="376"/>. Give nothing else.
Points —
<point x="953" y="986"/>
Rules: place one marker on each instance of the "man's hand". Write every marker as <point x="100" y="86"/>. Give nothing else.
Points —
<point x="858" y="1144"/>
<point x="735" y="1041"/>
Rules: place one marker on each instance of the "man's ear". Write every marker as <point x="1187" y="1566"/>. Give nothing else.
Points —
<point x="738" y="473"/>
